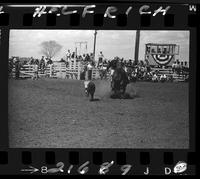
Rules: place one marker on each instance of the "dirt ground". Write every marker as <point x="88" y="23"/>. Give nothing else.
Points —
<point x="54" y="113"/>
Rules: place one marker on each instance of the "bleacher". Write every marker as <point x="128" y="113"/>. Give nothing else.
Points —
<point x="169" y="73"/>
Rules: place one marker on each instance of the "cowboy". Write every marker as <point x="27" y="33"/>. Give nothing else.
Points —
<point x="101" y="56"/>
<point x="113" y="65"/>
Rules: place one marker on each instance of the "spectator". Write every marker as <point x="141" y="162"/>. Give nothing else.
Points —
<point x="170" y="78"/>
<point x="68" y="55"/>
<point x="67" y="64"/>
<point x="134" y="63"/>
<point x="80" y="58"/>
<point x="129" y="64"/>
<point x="101" y="57"/>
<point x="31" y="62"/>
<point x="186" y="64"/>
<point x="42" y="64"/>
<point x="73" y="55"/>
<point x="36" y="61"/>
<point x="89" y="69"/>
<point x="83" y="57"/>
<point x="134" y="76"/>
<point x="163" y="78"/>
<point x="92" y="56"/>
<point x="155" y="78"/>
<point x="49" y="62"/>
<point x="87" y="57"/>
<point x="62" y="60"/>
<point x="174" y="67"/>
<point x="178" y="68"/>
<point x="141" y="63"/>
<point x="46" y="61"/>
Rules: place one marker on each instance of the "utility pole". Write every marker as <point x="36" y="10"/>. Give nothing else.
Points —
<point x="94" y="48"/>
<point x="79" y="45"/>
<point x="137" y="44"/>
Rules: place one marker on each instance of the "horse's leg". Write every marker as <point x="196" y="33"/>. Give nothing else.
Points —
<point x="101" y="75"/>
<point x="112" y="85"/>
<point x="122" y="95"/>
<point x="113" y="89"/>
<point x="91" y="96"/>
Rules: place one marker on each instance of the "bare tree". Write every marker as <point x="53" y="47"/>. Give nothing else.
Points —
<point x="50" y="48"/>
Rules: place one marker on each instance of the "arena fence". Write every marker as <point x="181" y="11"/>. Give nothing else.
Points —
<point x="56" y="70"/>
<point x="74" y="70"/>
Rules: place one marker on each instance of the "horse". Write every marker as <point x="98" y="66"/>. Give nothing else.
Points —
<point x="119" y="78"/>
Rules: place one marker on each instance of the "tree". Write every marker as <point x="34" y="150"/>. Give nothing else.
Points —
<point x="50" y="48"/>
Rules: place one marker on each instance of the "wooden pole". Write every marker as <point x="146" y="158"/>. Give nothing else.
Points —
<point x="79" y="71"/>
<point x="137" y="43"/>
<point x="94" y="49"/>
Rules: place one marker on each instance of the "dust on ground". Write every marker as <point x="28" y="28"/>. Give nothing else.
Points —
<point x="54" y="113"/>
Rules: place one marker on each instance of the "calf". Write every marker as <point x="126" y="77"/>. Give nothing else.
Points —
<point x="89" y="89"/>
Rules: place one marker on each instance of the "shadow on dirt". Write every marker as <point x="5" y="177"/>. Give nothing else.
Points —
<point x="96" y="99"/>
<point x="124" y="96"/>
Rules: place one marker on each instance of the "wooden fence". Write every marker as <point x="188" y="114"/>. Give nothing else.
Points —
<point x="57" y="70"/>
<point x="74" y="69"/>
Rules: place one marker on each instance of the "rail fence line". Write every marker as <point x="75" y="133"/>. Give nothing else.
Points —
<point x="74" y="70"/>
<point x="57" y="70"/>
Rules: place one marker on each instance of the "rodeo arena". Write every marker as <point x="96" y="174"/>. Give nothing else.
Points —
<point x="158" y="66"/>
<point x="70" y="102"/>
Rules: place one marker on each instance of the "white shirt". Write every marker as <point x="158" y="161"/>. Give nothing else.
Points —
<point x="101" y="55"/>
<point x="154" y="77"/>
<point x="35" y="68"/>
<point x="112" y="71"/>
<point x="86" y="83"/>
<point x="104" y="67"/>
<point x="125" y="69"/>
<point x="68" y="54"/>
<point x="89" y="67"/>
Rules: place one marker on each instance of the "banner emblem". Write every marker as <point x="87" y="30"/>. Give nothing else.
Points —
<point x="162" y="59"/>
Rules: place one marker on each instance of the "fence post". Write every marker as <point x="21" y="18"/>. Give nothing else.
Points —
<point x="50" y="70"/>
<point x="70" y="68"/>
<point x="79" y="71"/>
<point x="29" y="69"/>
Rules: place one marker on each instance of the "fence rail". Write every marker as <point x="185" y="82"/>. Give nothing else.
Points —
<point x="74" y="69"/>
<point x="56" y="70"/>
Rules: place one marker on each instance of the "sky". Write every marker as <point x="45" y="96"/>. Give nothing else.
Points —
<point x="27" y="43"/>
